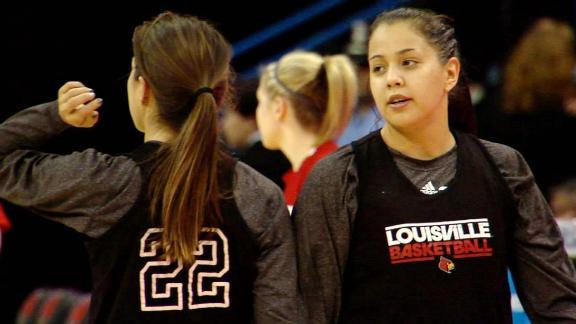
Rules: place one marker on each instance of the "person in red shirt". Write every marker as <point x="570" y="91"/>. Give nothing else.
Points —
<point x="4" y="223"/>
<point x="304" y="102"/>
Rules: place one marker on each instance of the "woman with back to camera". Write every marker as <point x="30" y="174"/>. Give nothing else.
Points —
<point x="417" y="222"/>
<point x="177" y="232"/>
<point x="304" y="101"/>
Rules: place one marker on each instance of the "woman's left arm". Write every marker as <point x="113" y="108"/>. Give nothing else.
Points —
<point x="261" y="204"/>
<point x="543" y="274"/>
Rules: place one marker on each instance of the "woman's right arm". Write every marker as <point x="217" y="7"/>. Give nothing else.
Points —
<point x="34" y="126"/>
<point x="86" y="190"/>
<point x="323" y="218"/>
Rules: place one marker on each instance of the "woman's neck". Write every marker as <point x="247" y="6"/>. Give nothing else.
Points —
<point x="421" y="144"/>
<point x="297" y="146"/>
<point x="155" y="131"/>
<point x="158" y="135"/>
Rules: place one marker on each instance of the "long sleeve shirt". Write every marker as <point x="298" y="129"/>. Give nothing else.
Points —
<point x="324" y="215"/>
<point x="91" y="191"/>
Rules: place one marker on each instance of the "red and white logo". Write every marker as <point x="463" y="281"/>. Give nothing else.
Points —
<point x="446" y="265"/>
<point x="425" y="242"/>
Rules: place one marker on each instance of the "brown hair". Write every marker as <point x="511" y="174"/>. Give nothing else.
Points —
<point x="177" y="55"/>
<point x="538" y="72"/>
<point x="323" y="89"/>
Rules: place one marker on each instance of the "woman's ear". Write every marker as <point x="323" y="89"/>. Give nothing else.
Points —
<point x="280" y="107"/>
<point x="452" y="68"/>
<point x="144" y="91"/>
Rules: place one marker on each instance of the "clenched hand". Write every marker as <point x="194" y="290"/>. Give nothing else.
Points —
<point x="77" y="105"/>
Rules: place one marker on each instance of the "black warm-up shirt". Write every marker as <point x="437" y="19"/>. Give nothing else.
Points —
<point x="92" y="192"/>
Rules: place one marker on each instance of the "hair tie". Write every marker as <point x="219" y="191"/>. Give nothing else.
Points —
<point x="202" y="90"/>
<point x="277" y="79"/>
<point x="295" y="95"/>
<point x="290" y="92"/>
<point x="197" y="93"/>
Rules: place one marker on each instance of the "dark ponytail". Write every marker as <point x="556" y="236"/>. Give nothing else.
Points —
<point x="461" y="112"/>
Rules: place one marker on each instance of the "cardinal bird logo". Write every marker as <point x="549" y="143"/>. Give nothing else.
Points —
<point x="446" y="265"/>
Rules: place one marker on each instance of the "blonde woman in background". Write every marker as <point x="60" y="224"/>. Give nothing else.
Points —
<point x="304" y="102"/>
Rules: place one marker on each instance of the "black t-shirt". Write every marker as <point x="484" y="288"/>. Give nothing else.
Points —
<point x="438" y="258"/>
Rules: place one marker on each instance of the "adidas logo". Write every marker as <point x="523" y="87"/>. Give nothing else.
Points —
<point x="429" y="189"/>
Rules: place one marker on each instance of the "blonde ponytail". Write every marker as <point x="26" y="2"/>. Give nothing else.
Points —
<point x="342" y="86"/>
<point x="323" y="90"/>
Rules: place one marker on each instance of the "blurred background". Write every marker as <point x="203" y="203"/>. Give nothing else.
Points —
<point x="46" y="45"/>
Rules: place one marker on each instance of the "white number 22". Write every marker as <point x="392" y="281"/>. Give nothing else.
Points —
<point x="161" y="289"/>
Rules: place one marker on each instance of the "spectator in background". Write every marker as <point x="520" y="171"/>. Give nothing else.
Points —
<point x="238" y="124"/>
<point x="563" y="203"/>
<point x="532" y="110"/>
<point x="242" y="138"/>
<point x="539" y="72"/>
<point x="563" y="199"/>
<point x="4" y="224"/>
<point x="304" y="102"/>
